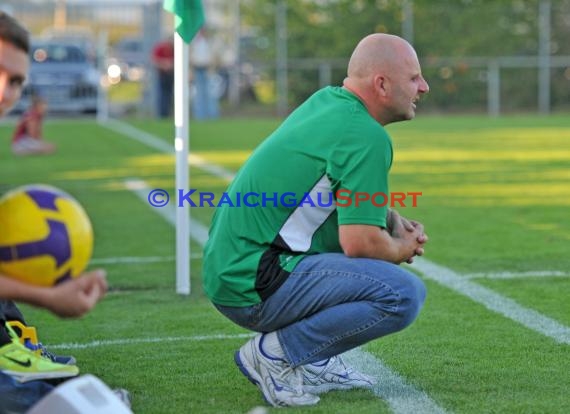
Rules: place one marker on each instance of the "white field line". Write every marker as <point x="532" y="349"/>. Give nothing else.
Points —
<point x="138" y="341"/>
<point x="138" y="135"/>
<point x="494" y="301"/>
<point x="516" y="275"/>
<point x="402" y="398"/>
<point x="198" y="232"/>
<point x="140" y="259"/>
<point x="196" y="256"/>
<point x="162" y="146"/>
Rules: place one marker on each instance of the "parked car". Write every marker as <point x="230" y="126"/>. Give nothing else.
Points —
<point x="63" y="75"/>
<point x="128" y="58"/>
<point x="74" y="35"/>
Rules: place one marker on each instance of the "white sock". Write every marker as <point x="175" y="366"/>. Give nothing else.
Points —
<point x="271" y="345"/>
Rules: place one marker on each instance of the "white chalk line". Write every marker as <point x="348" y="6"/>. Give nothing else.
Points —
<point x="138" y="135"/>
<point x="516" y="275"/>
<point x="402" y="397"/>
<point x="139" y="259"/>
<point x="494" y="301"/>
<point x="138" y="341"/>
<point x="162" y="146"/>
<point x="197" y="256"/>
<point x="198" y="232"/>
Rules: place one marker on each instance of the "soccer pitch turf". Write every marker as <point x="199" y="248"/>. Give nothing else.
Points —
<point x="495" y="330"/>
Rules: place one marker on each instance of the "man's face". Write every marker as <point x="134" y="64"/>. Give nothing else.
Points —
<point x="408" y="85"/>
<point x="14" y="64"/>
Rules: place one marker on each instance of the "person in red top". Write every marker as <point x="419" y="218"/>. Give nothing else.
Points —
<point x="28" y="139"/>
<point x="163" y="60"/>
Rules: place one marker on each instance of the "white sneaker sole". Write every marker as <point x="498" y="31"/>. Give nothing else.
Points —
<point x="253" y="376"/>
<point x="25" y="377"/>
<point x="323" y="388"/>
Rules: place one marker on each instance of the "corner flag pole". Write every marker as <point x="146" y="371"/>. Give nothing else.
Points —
<point x="182" y="149"/>
<point x="189" y="17"/>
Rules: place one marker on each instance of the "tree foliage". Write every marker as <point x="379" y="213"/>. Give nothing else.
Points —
<point x="329" y="29"/>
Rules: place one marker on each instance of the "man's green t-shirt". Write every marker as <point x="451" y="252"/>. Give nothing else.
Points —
<point x="284" y="198"/>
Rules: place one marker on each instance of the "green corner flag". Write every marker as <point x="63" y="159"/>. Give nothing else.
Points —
<point x="189" y="17"/>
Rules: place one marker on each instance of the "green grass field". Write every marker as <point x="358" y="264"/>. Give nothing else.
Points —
<point x="496" y="199"/>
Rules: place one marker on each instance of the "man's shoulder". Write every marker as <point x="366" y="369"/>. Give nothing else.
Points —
<point x="332" y="93"/>
<point x="331" y="101"/>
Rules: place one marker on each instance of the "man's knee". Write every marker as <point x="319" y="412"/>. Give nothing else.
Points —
<point x="412" y="298"/>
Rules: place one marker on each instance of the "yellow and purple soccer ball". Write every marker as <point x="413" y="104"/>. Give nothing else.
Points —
<point x="46" y="236"/>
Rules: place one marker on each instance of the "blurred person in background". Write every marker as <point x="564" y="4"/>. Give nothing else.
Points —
<point x="28" y="135"/>
<point x="163" y="61"/>
<point x="205" y="100"/>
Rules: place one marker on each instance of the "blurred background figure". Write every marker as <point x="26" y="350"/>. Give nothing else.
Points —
<point x="28" y="135"/>
<point x="205" y="100"/>
<point x="163" y="61"/>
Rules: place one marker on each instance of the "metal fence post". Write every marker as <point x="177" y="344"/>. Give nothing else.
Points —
<point x="544" y="57"/>
<point x="408" y="20"/>
<point x="151" y="31"/>
<point x="281" y="57"/>
<point x="102" y="98"/>
<point x="325" y="74"/>
<point x="493" y="88"/>
<point x="234" y="75"/>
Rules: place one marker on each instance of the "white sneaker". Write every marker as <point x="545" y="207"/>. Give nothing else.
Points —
<point x="280" y="384"/>
<point x="333" y="374"/>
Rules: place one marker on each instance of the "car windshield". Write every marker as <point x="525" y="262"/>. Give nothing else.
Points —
<point x="54" y="53"/>
<point x="130" y="45"/>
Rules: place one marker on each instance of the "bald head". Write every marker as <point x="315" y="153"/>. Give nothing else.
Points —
<point x="377" y="52"/>
<point x="384" y="72"/>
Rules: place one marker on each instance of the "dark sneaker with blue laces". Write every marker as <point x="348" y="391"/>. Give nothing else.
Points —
<point x="58" y="359"/>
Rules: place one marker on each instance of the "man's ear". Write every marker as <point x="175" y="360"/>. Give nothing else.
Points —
<point x="381" y="85"/>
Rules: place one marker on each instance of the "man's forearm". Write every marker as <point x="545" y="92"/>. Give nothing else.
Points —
<point x="375" y="243"/>
<point x="11" y="289"/>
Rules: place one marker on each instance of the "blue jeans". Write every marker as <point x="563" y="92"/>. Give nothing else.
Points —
<point x="332" y="303"/>
<point x="165" y="93"/>
<point x="9" y="311"/>
<point x="204" y="103"/>
<point x="16" y="397"/>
